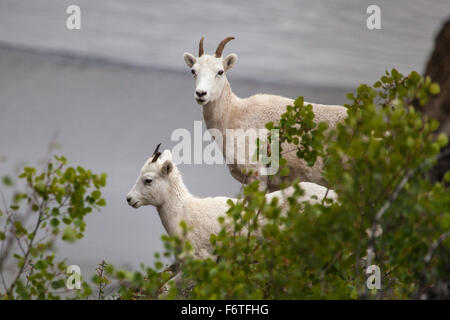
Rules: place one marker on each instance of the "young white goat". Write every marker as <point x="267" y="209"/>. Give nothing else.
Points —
<point x="160" y="184"/>
<point x="223" y="110"/>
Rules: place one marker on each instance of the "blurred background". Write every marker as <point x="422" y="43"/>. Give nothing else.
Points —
<point x="108" y="93"/>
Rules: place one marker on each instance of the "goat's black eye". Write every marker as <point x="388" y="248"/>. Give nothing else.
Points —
<point x="220" y="72"/>
<point x="193" y="71"/>
<point x="148" y="181"/>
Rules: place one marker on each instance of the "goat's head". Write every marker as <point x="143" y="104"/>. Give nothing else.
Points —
<point x="152" y="185"/>
<point x="209" y="71"/>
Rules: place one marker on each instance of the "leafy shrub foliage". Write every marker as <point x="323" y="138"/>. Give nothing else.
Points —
<point x="389" y="214"/>
<point x="52" y="207"/>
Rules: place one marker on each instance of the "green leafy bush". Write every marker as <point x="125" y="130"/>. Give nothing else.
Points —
<point x="389" y="214"/>
<point x="52" y="207"/>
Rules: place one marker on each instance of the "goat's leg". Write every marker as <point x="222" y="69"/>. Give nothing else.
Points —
<point x="165" y="289"/>
<point x="177" y="281"/>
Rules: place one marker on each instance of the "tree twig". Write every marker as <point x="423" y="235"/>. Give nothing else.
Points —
<point x="388" y="204"/>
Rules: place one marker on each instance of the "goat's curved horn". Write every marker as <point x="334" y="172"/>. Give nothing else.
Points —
<point x="221" y="45"/>
<point x="200" y="47"/>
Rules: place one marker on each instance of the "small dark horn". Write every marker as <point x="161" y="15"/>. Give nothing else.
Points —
<point x="156" y="150"/>
<point x="222" y="45"/>
<point x="156" y="156"/>
<point x="156" y="153"/>
<point x="200" y="47"/>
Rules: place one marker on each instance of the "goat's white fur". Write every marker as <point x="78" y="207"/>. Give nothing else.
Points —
<point x="223" y="110"/>
<point x="175" y="203"/>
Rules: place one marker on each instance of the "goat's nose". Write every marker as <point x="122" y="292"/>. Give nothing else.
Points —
<point x="128" y="199"/>
<point x="200" y="93"/>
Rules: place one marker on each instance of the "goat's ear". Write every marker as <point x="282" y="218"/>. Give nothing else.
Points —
<point x="166" y="168"/>
<point x="189" y="59"/>
<point x="166" y="155"/>
<point x="229" y="61"/>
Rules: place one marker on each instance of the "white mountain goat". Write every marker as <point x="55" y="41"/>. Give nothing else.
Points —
<point x="160" y="184"/>
<point x="223" y="110"/>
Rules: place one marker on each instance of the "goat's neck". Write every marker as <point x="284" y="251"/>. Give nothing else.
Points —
<point x="214" y="112"/>
<point x="172" y="211"/>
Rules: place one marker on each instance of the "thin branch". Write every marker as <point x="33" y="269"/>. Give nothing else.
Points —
<point x="32" y="238"/>
<point x="325" y="196"/>
<point x="391" y="200"/>
<point x="427" y="260"/>
<point x="102" y="286"/>
<point x="30" y="274"/>
<point x="434" y="246"/>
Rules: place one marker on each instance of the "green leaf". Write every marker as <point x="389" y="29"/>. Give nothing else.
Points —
<point x="40" y="187"/>
<point x="442" y="139"/>
<point x="54" y="222"/>
<point x="96" y="194"/>
<point x="447" y="176"/>
<point x="7" y="182"/>
<point x="69" y="235"/>
<point x="434" y="88"/>
<point x="445" y="222"/>
<point x="284" y="172"/>
<point x="19" y="229"/>
<point x="58" y="284"/>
